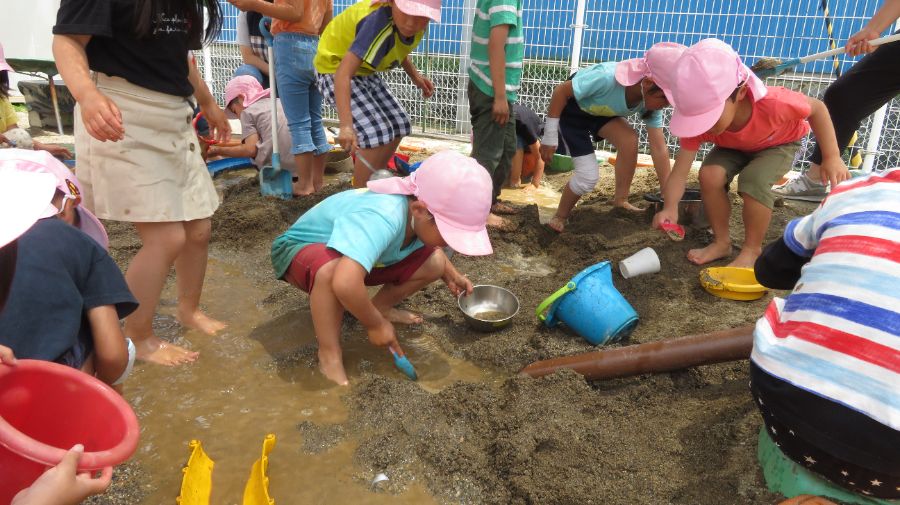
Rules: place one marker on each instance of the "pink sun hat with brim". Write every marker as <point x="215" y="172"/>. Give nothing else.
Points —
<point x="457" y="191"/>
<point x="24" y="160"/>
<point x="244" y="85"/>
<point x="658" y="64"/>
<point x="23" y="198"/>
<point x="705" y="76"/>
<point x="426" y="8"/>
<point x="3" y="64"/>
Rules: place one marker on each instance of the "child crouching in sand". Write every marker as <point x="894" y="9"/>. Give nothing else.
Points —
<point x="756" y="130"/>
<point x="390" y="234"/>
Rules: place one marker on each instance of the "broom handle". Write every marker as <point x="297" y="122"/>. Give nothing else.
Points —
<point x="842" y="50"/>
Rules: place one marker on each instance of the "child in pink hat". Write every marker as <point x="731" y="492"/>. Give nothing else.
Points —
<point x="756" y="130"/>
<point x="390" y="234"/>
<point x="592" y="106"/>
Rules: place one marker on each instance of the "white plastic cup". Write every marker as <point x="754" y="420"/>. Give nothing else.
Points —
<point x="642" y="262"/>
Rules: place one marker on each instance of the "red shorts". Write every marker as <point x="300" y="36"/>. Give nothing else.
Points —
<point x="307" y="262"/>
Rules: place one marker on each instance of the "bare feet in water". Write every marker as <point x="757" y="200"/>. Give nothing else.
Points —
<point x="332" y="367"/>
<point x="155" y="350"/>
<point x="199" y="321"/>
<point x="557" y="224"/>
<point x="745" y="259"/>
<point x="403" y="316"/>
<point x="627" y="206"/>
<point x="712" y="252"/>
<point x="502" y="208"/>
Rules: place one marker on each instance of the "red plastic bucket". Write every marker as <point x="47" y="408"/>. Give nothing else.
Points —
<point x="45" y="409"/>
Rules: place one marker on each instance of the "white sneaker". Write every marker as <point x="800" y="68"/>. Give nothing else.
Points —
<point x="802" y="188"/>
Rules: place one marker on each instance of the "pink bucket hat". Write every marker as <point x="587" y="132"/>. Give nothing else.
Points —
<point x="3" y="64"/>
<point x="658" y="64"/>
<point x="457" y="191"/>
<point x="23" y="199"/>
<point x="705" y="76"/>
<point x="247" y="86"/>
<point x="43" y="162"/>
<point x="426" y="8"/>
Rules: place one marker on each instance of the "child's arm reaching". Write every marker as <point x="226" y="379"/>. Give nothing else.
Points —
<point x="497" y="62"/>
<point x="561" y="95"/>
<point x="833" y="168"/>
<point x="349" y="288"/>
<point x="659" y="151"/>
<point x="455" y="281"/>
<point x="102" y="118"/>
<point x="674" y="188"/>
<point x="418" y="79"/>
<point x="245" y="150"/>
<point x="110" y="348"/>
<point x="342" y="82"/>
<point x="215" y="117"/>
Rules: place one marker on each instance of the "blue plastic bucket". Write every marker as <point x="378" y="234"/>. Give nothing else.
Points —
<point x="591" y="306"/>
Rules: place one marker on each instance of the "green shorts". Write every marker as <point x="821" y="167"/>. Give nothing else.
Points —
<point x="759" y="170"/>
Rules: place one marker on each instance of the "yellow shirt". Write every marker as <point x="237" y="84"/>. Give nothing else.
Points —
<point x="369" y="32"/>
<point x="8" y="118"/>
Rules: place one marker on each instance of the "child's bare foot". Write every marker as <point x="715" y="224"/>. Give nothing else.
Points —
<point x="199" y="321"/>
<point x="500" y="223"/>
<point x="333" y="368"/>
<point x="557" y="224"/>
<point x="627" y="206"/>
<point x="299" y="190"/>
<point x="403" y="316"/>
<point x="155" y="350"/>
<point x="745" y="259"/>
<point x="529" y="188"/>
<point x="502" y="208"/>
<point x="712" y="252"/>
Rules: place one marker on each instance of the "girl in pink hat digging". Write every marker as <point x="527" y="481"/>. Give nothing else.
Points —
<point x="391" y="235"/>
<point x="756" y="130"/>
<point x="592" y="106"/>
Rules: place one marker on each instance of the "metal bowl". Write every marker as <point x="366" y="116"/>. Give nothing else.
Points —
<point x="690" y="208"/>
<point x="492" y="300"/>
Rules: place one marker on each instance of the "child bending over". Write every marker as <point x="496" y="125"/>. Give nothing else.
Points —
<point x="390" y="234"/>
<point x="756" y="130"/>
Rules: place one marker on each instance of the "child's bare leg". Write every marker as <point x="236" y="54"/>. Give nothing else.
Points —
<point x="756" y="222"/>
<point x="378" y="157"/>
<point x="718" y="212"/>
<point x="327" y="315"/>
<point x="190" y="271"/>
<point x="146" y="276"/>
<point x="304" y="162"/>
<point x="624" y="138"/>
<point x="515" y="170"/>
<point x="391" y="294"/>
<point x="318" y="171"/>
<point x="566" y="204"/>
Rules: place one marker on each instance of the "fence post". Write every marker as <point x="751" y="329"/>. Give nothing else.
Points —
<point x="577" y="36"/>
<point x="463" y="123"/>
<point x="207" y="56"/>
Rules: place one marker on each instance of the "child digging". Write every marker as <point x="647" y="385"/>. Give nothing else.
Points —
<point x="390" y="235"/>
<point x="756" y="131"/>
<point x="592" y="105"/>
<point x="498" y="48"/>
<point x="368" y="38"/>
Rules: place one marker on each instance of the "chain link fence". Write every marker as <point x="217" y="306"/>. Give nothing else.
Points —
<point x="564" y="35"/>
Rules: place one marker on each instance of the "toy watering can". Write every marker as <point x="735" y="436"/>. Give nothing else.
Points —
<point x="590" y="305"/>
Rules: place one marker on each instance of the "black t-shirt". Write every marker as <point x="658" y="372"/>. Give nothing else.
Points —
<point x="61" y="273"/>
<point x="528" y="124"/>
<point x="158" y="62"/>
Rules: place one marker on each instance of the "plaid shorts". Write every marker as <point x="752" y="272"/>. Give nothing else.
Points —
<point x="378" y="118"/>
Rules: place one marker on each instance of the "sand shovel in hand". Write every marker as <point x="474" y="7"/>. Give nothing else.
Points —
<point x="402" y="363"/>
<point x="274" y="180"/>
<point x="771" y="67"/>
<point x="381" y="173"/>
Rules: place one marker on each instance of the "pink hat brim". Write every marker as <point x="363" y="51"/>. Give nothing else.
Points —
<point x="468" y="242"/>
<point x="5" y="66"/>
<point x="414" y="8"/>
<point x="684" y="126"/>
<point x="631" y="71"/>
<point x="93" y="227"/>
<point x="23" y="199"/>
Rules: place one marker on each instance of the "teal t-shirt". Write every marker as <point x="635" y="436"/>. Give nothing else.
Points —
<point x="364" y="226"/>
<point x="599" y="94"/>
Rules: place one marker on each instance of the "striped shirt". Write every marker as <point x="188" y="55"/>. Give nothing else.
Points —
<point x="488" y="14"/>
<point x="837" y="334"/>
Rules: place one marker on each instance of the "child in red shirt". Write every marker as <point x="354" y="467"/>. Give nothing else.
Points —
<point x="756" y="130"/>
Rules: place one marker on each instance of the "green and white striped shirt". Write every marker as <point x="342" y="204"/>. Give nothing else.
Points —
<point x="488" y="14"/>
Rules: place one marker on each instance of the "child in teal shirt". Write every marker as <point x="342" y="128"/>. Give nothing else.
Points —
<point x="390" y="234"/>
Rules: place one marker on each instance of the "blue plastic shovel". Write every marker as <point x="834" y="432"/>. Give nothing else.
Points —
<point x="402" y="363"/>
<point x="273" y="180"/>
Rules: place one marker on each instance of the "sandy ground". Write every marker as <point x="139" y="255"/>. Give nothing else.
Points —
<point x="686" y="437"/>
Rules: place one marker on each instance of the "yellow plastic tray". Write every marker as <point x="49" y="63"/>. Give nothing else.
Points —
<point x="732" y="283"/>
<point x="257" y="490"/>
<point x="196" y="484"/>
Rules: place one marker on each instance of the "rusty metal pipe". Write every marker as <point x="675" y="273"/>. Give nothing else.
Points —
<point x="653" y="357"/>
